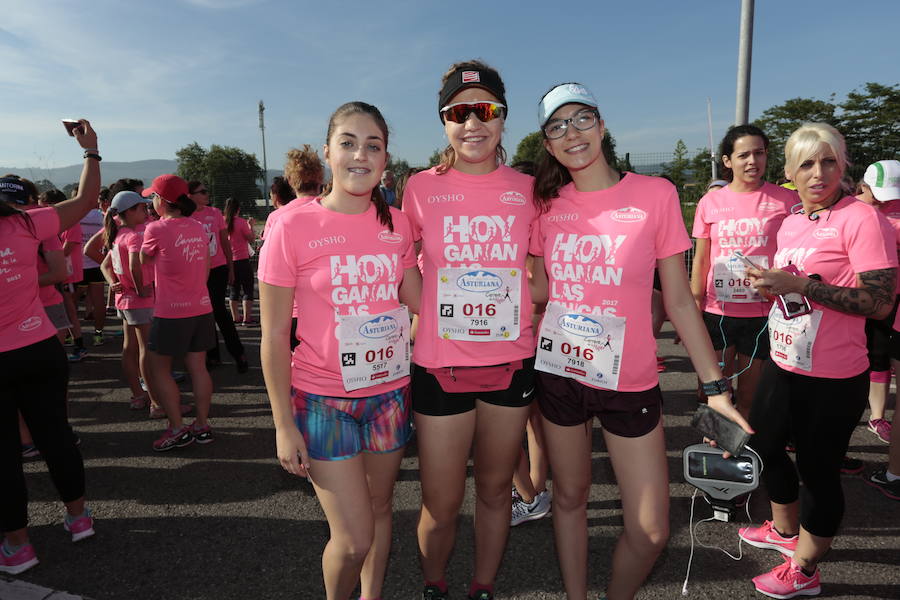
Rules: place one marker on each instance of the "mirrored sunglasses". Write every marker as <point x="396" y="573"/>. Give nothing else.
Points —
<point x="485" y="111"/>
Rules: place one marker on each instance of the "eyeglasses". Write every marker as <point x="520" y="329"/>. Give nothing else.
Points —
<point x="582" y="121"/>
<point x="202" y="192"/>
<point x="485" y="111"/>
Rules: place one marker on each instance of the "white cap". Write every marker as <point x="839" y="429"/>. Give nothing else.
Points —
<point x="883" y="178"/>
<point x="565" y="93"/>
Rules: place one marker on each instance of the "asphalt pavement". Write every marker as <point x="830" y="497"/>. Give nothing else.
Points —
<point x="224" y="521"/>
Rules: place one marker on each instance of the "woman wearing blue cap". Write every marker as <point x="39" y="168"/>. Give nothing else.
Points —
<point x="598" y="239"/>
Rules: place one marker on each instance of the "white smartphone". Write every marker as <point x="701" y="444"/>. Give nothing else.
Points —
<point x="747" y="261"/>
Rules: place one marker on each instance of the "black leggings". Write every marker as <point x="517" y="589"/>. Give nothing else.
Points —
<point x="217" y="284"/>
<point x="818" y="416"/>
<point x="243" y="281"/>
<point x="33" y="380"/>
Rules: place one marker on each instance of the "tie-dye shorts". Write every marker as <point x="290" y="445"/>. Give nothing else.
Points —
<point x="337" y="428"/>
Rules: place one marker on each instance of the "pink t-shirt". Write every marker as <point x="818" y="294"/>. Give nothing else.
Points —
<point x="75" y="259"/>
<point x="600" y="249"/>
<point x="240" y="239"/>
<point x="50" y="296"/>
<point x="747" y="222"/>
<point x="23" y="321"/>
<point x="849" y="239"/>
<point x="280" y="211"/>
<point x="181" y="248"/>
<point x="470" y="221"/>
<point x="130" y="240"/>
<point x="213" y="222"/>
<point x="343" y="265"/>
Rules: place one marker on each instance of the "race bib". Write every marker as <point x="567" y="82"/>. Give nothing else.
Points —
<point x="213" y="242"/>
<point x="373" y="349"/>
<point x="479" y="305"/>
<point x="116" y="259"/>
<point x="70" y="268"/>
<point x="587" y="348"/>
<point x="792" y="340"/>
<point x="730" y="279"/>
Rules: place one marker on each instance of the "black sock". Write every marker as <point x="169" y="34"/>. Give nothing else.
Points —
<point x="79" y="343"/>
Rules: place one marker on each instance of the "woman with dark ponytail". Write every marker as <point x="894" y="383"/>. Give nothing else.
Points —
<point x="182" y="316"/>
<point x="341" y="405"/>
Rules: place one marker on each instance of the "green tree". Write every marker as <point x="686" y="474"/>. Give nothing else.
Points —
<point x="870" y="122"/>
<point x="227" y="171"/>
<point x="69" y="189"/>
<point x="43" y="185"/>
<point x="779" y="122"/>
<point x="679" y="170"/>
<point x="435" y="158"/>
<point x="398" y="166"/>
<point x="529" y="148"/>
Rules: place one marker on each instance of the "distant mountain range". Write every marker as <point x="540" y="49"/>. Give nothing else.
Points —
<point x="144" y="170"/>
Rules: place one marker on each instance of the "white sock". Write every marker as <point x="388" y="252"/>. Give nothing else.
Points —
<point x="890" y="476"/>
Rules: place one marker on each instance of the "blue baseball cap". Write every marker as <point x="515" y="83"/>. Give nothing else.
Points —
<point x="125" y="200"/>
<point x="564" y="93"/>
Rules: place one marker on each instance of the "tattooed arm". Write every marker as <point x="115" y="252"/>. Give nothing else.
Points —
<point x="873" y="296"/>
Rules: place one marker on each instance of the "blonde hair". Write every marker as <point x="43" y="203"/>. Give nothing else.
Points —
<point x="804" y="143"/>
<point x="303" y="170"/>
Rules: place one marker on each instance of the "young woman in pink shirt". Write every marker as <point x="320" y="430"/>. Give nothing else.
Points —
<point x="240" y="236"/>
<point x="473" y="379"/>
<point x="341" y="402"/>
<point x="35" y="374"/>
<point x="597" y="241"/>
<point x="132" y="284"/>
<point x="837" y="263"/>
<point x="178" y="247"/>
<point x="744" y="217"/>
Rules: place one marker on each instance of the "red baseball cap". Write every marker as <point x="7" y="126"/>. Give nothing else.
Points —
<point x="169" y="187"/>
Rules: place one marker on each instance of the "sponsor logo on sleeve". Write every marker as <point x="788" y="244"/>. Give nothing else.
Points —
<point x="30" y="324"/>
<point x="390" y="237"/>
<point x="826" y="233"/>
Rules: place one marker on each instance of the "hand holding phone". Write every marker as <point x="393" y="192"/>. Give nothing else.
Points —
<point x="740" y="255"/>
<point x="71" y="125"/>
<point x="727" y="434"/>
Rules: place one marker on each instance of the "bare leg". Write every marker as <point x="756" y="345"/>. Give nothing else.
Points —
<point x="142" y="333"/>
<point x="164" y="389"/>
<point x="248" y="310"/>
<point x="235" y="313"/>
<point x="444" y="444"/>
<point x="344" y="495"/>
<point x="498" y="440"/>
<point x="642" y="471"/>
<point x="878" y="393"/>
<point x="201" y="382"/>
<point x="786" y="517"/>
<point x="131" y="363"/>
<point x="95" y="293"/>
<point x="381" y="474"/>
<point x="747" y="382"/>
<point x="24" y="434"/>
<point x="569" y="449"/>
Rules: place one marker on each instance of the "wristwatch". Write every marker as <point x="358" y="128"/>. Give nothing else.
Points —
<point x="714" y="388"/>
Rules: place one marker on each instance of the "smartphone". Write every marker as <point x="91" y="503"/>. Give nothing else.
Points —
<point x="71" y="125"/>
<point x="747" y="261"/>
<point x="728" y="435"/>
<point x="793" y="305"/>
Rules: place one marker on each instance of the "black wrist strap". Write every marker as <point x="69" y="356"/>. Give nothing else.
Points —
<point x="714" y="388"/>
<point x="92" y="155"/>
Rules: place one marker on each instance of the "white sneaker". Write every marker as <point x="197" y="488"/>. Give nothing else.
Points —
<point x="523" y="511"/>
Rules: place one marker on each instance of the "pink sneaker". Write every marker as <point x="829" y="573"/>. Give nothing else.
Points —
<point x="22" y="560"/>
<point x="786" y="581"/>
<point x="80" y="528"/>
<point x="881" y="429"/>
<point x="765" y="536"/>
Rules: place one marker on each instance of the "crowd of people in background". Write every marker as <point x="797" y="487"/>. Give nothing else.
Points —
<point x="497" y="311"/>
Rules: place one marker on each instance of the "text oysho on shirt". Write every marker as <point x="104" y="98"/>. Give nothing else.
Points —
<point x="849" y="238"/>
<point x="600" y="249"/>
<point x="746" y="222"/>
<point x="476" y="221"/>
<point x="181" y="248"/>
<point x="338" y="265"/>
<point x="23" y="321"/>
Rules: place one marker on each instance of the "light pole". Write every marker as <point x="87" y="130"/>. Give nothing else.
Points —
<point x="745" y="55"/>
<point x="262" y="131"/>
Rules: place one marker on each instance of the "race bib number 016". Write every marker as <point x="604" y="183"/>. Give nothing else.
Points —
<point x="792" y="340"/>
<point x="479" y="305"/>
<point x="730" y="279"/>
<point x="587" y="348"/>
<point x="374" y="349"/>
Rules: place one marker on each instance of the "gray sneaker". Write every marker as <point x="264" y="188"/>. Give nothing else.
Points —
<point x="523" y="511"/>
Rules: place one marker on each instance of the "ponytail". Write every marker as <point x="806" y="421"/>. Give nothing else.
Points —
<point x="382" y="209"/>
<point x="110" y="228"/>
<point x="549" y="176"/>
<point x="185" y="205"/>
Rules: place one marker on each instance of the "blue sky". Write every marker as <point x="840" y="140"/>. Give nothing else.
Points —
<point x="155" y="76"/>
